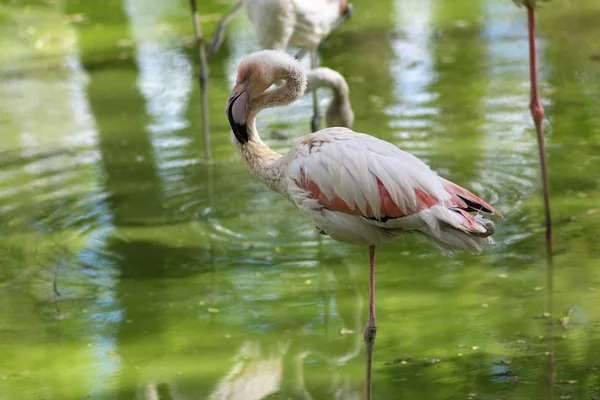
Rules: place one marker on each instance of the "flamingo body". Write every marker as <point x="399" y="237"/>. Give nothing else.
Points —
<point x="356" y="188"/>
<point x="300" y="23"/>
<point x="362" y="190"/>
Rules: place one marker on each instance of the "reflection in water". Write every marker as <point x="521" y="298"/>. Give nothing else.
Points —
<point x="202" y="78"/>
<point x="57" y="191"/>
<point x="260" y="367"/>
<point x="412" y="73"/>
<point x="508" y="118"/>
<point x="178" y="280"/>
<point x="50" y="152"/>
<point x="165" y="79"/>
<point x="550" y="372"/>
<point x="253" y="376"/>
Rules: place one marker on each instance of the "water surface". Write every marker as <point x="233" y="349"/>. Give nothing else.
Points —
<point x="131" y="268"/>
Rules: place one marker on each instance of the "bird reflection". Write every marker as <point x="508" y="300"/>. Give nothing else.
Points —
<point x="257" y="373"/>
<point x="261" y="368"/>
<point x="550" y="369"/>
<point x="253" y="375"/>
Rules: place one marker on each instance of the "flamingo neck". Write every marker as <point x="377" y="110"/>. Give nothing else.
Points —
<point x="291" y="90"/>
<point x="263" y="162"/>
<point x="339" y="110"/>
<point x="326" y="77"/>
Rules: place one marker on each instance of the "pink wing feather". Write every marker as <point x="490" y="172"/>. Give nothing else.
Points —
<point x="389" y="209"/>
<point x="460" y="197"/>
<point x="373" y="165"/>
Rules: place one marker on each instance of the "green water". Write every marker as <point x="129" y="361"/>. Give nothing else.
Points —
<point x="132" y="269"/>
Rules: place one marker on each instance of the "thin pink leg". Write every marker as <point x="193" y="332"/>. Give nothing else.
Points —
<point x="537" y="112"/>
<point x="371" y="329"/>
<point x="371" y="321"/>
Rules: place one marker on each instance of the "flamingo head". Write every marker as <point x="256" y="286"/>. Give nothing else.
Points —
<point x="257" y="73"/>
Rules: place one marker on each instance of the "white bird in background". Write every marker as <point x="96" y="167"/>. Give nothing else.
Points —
<point x="282" y="23"/>
<point x="339" y="111"/>
<point x="356" y="188"/>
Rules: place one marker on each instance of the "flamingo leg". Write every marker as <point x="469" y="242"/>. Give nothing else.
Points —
<point x="371" y="329"/>
<point x="537" y="112"/>
<point x="220" y="32"/>
<point x="316" y="120"/>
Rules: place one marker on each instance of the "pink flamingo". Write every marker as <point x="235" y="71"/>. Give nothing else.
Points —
<point x="356" y="188"/>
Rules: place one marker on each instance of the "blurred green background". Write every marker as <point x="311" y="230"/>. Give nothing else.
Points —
<point x="183" y="280"/>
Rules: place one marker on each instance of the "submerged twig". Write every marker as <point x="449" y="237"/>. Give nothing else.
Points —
<point x="202" y="79"/>
<point x="55" y="290"/>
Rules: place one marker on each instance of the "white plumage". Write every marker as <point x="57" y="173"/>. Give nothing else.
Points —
<point x="347" y="165"/>
<point x="300" y="23"/>
<point x="282" y="23"/>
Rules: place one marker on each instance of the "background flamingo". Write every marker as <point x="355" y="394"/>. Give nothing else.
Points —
<point x="339" y="111"/>
<point x="356" y="188"/>
<point x="283" y="23"/>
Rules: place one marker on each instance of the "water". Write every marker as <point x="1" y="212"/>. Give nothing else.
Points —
<point x="130" y="268"/>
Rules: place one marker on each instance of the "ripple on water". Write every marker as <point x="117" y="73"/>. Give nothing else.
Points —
<point x="51" y="189"/>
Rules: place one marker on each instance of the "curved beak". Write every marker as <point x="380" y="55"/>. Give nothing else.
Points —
<point x="236" y="109"/>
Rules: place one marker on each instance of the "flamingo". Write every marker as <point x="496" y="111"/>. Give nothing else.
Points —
<point x="339" y="111"/>
<point x="355" y="188"/>
<point x="282" y="23"/>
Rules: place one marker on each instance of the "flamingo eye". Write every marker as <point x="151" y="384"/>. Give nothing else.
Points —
<point x="247" y="76"/>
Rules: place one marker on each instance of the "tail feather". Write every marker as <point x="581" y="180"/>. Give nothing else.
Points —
<point x="458" y="230"/>
<point x="449" y="229"/>
<point x="467" y="200"/>
<point x="448" y="225"/>
<point x="451" y="240"/>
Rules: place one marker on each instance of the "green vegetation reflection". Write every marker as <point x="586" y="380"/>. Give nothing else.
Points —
<point x="132" y="269"/>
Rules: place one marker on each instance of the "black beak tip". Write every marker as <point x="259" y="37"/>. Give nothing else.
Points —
<point x="239" y="130"/>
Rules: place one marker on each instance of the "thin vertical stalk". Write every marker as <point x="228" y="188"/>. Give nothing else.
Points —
<point x="371" y="328"/>
<point x="537" y="112"/>
<point x="202" y="79"/>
